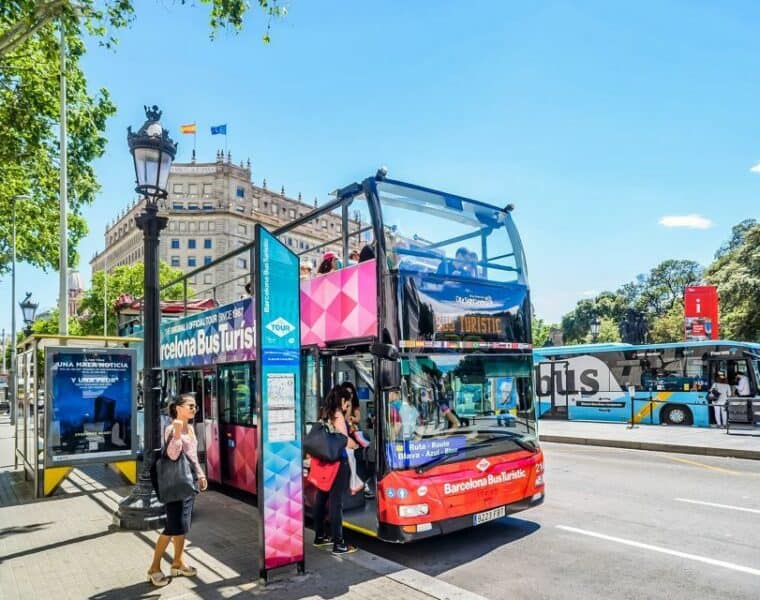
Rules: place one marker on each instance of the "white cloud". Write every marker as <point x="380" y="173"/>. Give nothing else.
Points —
<point x="756" y="168"/>
<point x="688" y="221"/>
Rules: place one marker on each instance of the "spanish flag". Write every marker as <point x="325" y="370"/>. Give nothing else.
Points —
<point x="187" y="128"/>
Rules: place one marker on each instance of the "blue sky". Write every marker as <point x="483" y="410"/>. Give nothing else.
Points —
<point x="595" y="119"/>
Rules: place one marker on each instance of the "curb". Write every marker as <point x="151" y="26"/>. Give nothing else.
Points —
<point x="416" y="580"/>
<point x="653" y="446"/>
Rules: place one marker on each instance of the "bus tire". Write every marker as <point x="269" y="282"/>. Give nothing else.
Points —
<point x="676" y="414"/>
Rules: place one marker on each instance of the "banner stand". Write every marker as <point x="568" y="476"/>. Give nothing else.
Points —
<point x="279" y="470"/>
<point x="77" y="405"/>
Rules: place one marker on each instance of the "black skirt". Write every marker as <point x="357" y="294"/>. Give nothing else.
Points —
<point x="178" y="515"/>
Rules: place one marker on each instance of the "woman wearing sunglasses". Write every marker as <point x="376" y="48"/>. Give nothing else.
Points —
<point x="179" y="437"/>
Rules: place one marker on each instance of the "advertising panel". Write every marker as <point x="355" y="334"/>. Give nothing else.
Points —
<point x="221" y="335"/>
<point x="91" y="407"/>
<point x="279" y="470"/>
<point x="701" y="313"/>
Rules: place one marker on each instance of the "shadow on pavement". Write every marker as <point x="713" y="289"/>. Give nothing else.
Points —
<point x="438" y="555"/>
<point x="8" y="531"/>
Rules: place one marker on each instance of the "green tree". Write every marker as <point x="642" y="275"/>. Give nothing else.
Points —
<point x="668" y="327"/>
<point x="126" y="279"/>
<point x="737" y="275"/>
<point x="49" y="324"/>
<point x="608" y="331"/>
<point x="541" y="331"/>
<point x="30" y="109"/>
<point x="738" y="235"/>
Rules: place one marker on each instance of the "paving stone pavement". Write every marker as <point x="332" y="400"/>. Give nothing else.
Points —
<point x="66" y="546"/>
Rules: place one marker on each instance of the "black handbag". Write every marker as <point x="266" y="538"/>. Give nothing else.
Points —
<point x="175" y="478"/>
<point x="324" y="444"/>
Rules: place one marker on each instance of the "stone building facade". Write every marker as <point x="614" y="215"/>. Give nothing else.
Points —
<point x="212" y="209"/>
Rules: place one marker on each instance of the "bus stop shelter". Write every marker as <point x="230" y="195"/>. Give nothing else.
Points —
<point x="77" y="405"/>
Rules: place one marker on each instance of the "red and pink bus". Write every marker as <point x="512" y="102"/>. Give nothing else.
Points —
<point x="428" y="316"/>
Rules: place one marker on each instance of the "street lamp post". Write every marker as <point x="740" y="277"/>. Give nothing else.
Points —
<point x="28" y="310"/>
<point x="153" y="152"/>
<point x="595" y="325"/>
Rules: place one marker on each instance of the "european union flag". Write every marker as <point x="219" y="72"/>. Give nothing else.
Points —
<point x="219" y="129"/>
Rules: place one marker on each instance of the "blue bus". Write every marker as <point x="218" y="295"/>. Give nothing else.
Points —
<point x="653" y="383"/>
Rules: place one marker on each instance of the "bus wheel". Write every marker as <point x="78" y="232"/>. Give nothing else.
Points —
<point x="677" y="415"/>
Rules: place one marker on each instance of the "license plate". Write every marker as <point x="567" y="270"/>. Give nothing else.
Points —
<point x="489" y="515"/>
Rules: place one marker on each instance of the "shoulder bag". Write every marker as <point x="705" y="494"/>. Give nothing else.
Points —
<point x="174" y="477"/>
<point x="326" y="445"/>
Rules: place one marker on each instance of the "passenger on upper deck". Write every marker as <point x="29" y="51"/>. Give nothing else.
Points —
<point x="458" y="266"/>
<point x="329" y="263"/>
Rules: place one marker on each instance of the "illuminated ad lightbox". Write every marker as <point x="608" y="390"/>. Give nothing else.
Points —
<point x="91" y="410"/>
<point x="278" y="362"/>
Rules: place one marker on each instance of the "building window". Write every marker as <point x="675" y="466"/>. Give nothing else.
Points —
<point x="191" y="244"/>
<point x="175" y="243"/>
<point x="240" y="209"/>
<point x="192" y="281"/>
<point x="207" y="278"/>
<point x="242" y="229"/>
<point x="208" y="206"/>
<point x="240" y="192"/>
<point x="207" y="260"/>
<point x="324" y="224"/>
<point x="290" y="241"/>
<point x="192" y="189"/>
<point x="177" y="188"/>
<point x="178" y="206"/>
<point x="193" y="225"/>
<point x="211" y="225"/>
<point x="207" y="187"/>
<point x="192" y="205"/>
<point x="203" y="226"/>
<point x="292" y="213"/>
<point x="207" y="243"/>
<point x="275" y="208"/>
<point x="182" y="226"/>
<point x="337" y="227"/>
<point x="175" y="261"/>
<point x="242" y="263"/>
<point x="191" y="262"/>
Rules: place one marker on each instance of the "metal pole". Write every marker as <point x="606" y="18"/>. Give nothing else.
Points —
<point x="141" y="509"/>
<point x="63" y="292"/>
<point x="12" y="386"/>
<point x="105" y="293"/>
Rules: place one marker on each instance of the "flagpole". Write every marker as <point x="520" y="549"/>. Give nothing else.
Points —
<point x="195" y="135"/>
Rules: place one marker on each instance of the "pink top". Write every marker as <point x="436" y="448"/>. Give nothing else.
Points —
<point x="187" y="443"/>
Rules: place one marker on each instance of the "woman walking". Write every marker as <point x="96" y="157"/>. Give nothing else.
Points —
<point x="337" y="403"/>
<point x="179" y="437"/>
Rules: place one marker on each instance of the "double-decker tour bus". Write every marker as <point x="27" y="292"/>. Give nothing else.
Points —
<point x="652" y="383"/>
<point x="431" y="323"/>
<point x="426" y="311"/>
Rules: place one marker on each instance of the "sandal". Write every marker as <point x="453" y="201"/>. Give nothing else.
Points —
<point x="158" y="579"/>
<point x="184" y="570"/>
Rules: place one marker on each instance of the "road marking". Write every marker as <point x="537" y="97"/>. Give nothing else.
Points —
<point x="712" y="468"/>
<point x="694" y="557"/>
<point x="749" y="510"/>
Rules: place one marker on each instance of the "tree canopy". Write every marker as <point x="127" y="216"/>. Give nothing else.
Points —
<point x="30" y="109"/>
<point x="125" y="279"/>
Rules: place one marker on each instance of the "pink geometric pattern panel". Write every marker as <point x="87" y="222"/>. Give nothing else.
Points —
<point x="339" y="305"/>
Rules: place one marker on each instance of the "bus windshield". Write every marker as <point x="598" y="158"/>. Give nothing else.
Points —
<point x="433" y="232"/>
<point x="452" y="402"/>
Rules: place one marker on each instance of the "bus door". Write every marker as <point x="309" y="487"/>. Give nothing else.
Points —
<point x="237" y="433"/>
<point x="210" y="428"/>
<point x="361" y="511"/>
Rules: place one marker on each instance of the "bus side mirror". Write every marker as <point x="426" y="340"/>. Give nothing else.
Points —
<point x="390" y="375"/>
<point x="384" y="351"/>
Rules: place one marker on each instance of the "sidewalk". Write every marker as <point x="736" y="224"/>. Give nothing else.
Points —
<point x="67" y="547"/>
<point x="662" y="438"/>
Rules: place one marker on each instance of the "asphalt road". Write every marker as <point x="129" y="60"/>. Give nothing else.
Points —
<point x="615" y="524"/>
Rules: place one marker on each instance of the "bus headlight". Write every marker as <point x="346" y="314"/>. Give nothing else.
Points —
<point x="413" y="510"/>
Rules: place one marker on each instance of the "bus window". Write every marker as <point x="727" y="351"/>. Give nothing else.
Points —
<point x="310" y="389"/>
<point x="236" y="395"/>
<point x="696" y="374"/>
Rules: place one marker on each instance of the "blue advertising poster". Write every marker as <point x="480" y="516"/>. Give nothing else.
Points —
<point x="91" y="410"/>
<point x="280" y="478"/>
<point x="408" y="454"/>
